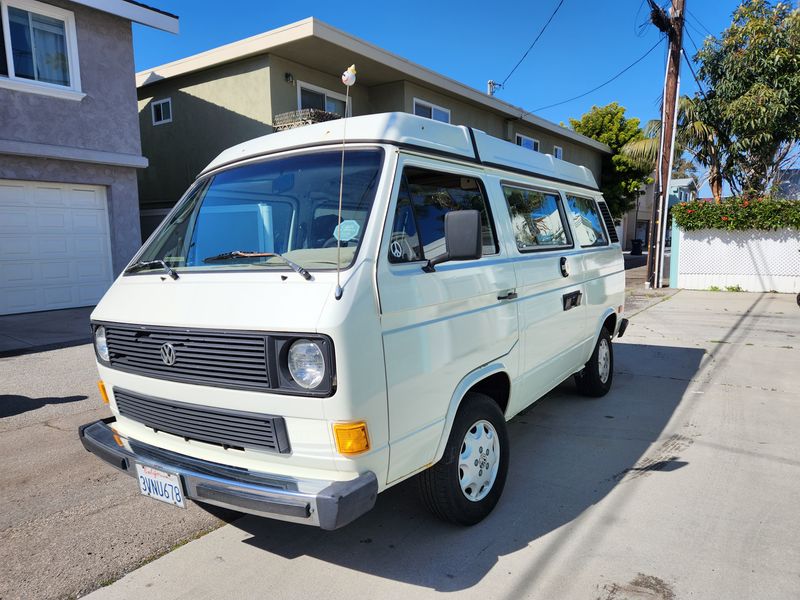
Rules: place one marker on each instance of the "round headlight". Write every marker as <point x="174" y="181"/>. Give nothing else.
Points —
<point x="100" y="343"/>
<point x="306" y="364"/>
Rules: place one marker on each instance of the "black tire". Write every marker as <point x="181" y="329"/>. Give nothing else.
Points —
<point x="593" y="380"/>
<point x="440" y="485"/>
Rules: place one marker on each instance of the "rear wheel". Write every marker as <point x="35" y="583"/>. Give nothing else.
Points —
<point x="595" y="378"/>
<point x="465" y="485"/>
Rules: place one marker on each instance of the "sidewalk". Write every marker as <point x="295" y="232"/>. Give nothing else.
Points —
<point x="681" y="483"/>
<point x="29" y="332"/>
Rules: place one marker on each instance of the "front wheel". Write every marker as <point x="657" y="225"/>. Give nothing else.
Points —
<point x="465" y="485"/>
<point x="595" y="378"/>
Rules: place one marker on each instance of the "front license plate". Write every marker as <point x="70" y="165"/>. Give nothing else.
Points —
<point x="160" y="485"/>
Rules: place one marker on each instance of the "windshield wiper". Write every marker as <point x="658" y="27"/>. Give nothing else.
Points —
<point x="242" y="254"/>
<point x="144" y="264"/>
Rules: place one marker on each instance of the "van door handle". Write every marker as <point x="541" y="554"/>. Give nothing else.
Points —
<point x="510" y="295"/>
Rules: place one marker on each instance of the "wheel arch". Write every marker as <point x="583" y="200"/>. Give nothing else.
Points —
<point x="492" y="380"/>
<point x="610" y="320"/>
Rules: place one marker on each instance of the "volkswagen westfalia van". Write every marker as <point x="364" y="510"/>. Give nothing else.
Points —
<point x="282" y="352"/>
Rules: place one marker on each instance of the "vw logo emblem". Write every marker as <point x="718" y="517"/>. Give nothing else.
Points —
<point x="396" y="249"/>
<point x="168" y="354"/>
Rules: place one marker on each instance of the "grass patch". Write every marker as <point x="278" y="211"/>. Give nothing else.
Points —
<point x="734" y="288"/>
<point x="714" y="288"/>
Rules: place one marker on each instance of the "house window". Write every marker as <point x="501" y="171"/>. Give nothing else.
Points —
<point x="162" y="111"/>
<point x="311" y="96"/>
<point x="558" y="152"/>
<point x="527" y="142"/>
<point x="38" y="48"/>
<point x="431" y="111"/>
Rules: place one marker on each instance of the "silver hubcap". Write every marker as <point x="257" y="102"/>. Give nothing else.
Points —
<point x="604" y="360"/>
<point x="478" y="461"/>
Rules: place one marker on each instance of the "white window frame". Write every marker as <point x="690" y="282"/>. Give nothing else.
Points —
<point x="430" y="105"/>
<point x="71" y="92"/>
<point x="558" y="152"/>
<point x="536" y="144"/>
<point x="153" y="105"/>
<point x="321" y="90"/>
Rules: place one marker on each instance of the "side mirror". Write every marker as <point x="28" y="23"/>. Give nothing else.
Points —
<point x="462" y="238"/>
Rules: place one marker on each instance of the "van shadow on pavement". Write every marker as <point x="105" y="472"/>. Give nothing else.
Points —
<point x="11" y="404"/>
<point x="567" y="453"/>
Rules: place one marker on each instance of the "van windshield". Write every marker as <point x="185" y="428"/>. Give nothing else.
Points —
<point x="259" y="215"/>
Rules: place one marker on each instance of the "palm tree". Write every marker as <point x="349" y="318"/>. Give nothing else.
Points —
<point x="693" y="135"/>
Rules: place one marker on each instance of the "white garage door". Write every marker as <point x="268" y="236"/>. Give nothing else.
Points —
<point x="54" y="246"/>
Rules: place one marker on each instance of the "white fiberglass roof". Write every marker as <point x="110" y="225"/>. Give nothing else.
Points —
<point x="408" y="130"/>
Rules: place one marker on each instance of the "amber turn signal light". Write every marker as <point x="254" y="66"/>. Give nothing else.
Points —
<point x="103" y="394"/>
<point x="351" y="438"/>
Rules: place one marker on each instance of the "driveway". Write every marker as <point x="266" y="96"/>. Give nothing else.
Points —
<point x="68" y="522"/>
<point x="682" y="483"/>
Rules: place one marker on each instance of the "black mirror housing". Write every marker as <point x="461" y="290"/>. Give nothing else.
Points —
<point x="462" y="238"/>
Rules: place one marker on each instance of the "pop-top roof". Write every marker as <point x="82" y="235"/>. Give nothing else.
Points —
<point x="410" y="131"/>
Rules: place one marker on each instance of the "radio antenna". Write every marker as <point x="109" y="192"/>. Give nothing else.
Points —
<point x="348" y="79"/>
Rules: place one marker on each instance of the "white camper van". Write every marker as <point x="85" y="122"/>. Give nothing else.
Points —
<point x="279" y="351"/>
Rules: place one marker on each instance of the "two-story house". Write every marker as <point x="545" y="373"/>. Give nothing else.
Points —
<point x="69" y="148"/>
<point x="193" y="108"/>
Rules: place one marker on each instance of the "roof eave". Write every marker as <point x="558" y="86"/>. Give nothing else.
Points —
<point x="263" y="43"/>
<point x="136" y="12"/>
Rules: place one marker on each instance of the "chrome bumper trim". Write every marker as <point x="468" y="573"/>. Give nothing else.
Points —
<point x="326" y="504"/>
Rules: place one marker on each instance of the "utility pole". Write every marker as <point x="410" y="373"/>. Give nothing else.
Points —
<point x="672" y="25"/>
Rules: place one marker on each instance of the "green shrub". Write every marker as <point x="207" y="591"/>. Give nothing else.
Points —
<point x="738" y="214"/>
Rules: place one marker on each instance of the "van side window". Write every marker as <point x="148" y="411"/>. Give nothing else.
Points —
<point x="587" y="222"/>
<point x="537" y="218"/>
<point x="424" y="198"/>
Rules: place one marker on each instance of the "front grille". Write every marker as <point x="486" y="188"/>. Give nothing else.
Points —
<point x="226" y="428"/>
<point x="236" y="360"/>
<point x="612" y="231"/>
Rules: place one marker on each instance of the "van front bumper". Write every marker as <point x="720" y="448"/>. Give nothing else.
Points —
<point x="326" y="504"/>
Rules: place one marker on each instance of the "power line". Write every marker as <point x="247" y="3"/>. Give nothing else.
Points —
<point x="605" y="83"/>
<point x="536" y="39"/>
<point x="691" y="39"/>
<point x="691" y="68"/>
<point x="700" y="22"/>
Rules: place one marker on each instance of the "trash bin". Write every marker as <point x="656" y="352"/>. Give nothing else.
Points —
<point x="636" y="247"/>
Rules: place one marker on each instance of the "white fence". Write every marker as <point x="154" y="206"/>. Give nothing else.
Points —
<point x="756" y="261"/>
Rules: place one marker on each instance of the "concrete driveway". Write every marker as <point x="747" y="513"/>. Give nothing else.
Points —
<point x="684" y="482"/>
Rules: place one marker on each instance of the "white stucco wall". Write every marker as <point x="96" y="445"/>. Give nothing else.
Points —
<point x="757" y="261"/>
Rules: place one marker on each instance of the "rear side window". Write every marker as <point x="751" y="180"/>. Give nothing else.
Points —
<point x="425" y="197"/>
<point x="536" y="218"/>
<point x="587" y="221"/>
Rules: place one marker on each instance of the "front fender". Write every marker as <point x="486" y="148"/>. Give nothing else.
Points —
<point x="479" y="374"/>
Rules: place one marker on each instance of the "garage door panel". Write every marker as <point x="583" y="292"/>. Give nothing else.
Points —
<point x="16" y="247"/>
<point x="48" y="196"/>
<point x="91" y="293"/>
<point x="54" y="246"/>
<point x="20" y="273"/>
<point x="53" y="220"/>
<point x="23" y="299"/>
<point x="16" y="220"/>
<point x="86" y="198"/>
<point x="89" y="246"/>
<point x="88" y="221"/>
<point x="59" y="296"/>
<point x="13" y="194"/>
<point x="56" y="272"/>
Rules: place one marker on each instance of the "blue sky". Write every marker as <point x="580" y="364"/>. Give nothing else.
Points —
<point x="586" y="43"/>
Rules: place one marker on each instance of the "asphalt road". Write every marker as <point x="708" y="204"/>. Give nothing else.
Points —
<point x="68" y="522"/>
<point x="681" y="483"/>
